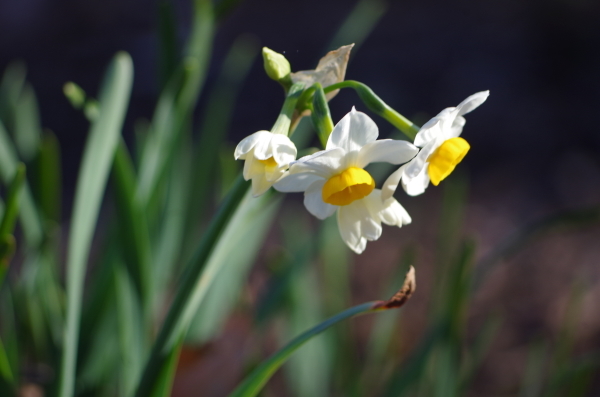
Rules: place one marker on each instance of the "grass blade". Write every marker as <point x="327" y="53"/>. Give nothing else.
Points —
<point x="11" y="87"/>
<point x="246" y="232"/>
<point x="27" y="129"/>
<point x="97" y="160"/>
<point x="310" y="369"/>
<point x="253" y="384"/>
<point x="32" y="227"/>
<point x="168" y="251"/>
<point x="169" y="51"/>
<point x="11" y="210"/>
<point x="5" y="370"/>
<point x="186" y="300"/>
<point x="131" y="330"/>
<point x="7" y="225"/>
<point x="259" y="377"/>
<point x="177" y="103"/>
<point x="49" y="178"/>
<point x="133" y="228"/>
<point x="217" y="118"/>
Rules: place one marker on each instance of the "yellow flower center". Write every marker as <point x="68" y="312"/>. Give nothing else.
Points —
<point x="270" y="162"/>
<point x="445" y="158"/>
<point x="348" y="186"/>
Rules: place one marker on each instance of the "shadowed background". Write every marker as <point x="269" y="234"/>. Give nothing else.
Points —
<point x="535" y="144"/>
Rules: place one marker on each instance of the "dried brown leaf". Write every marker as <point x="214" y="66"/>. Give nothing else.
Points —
<point x="403" y="295"/>
<point x="331" y="69"/>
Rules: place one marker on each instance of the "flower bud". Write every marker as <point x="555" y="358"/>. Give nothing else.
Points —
<point x="277" y="67"/>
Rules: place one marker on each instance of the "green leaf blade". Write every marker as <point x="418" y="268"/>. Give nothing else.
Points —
<point x="97" y="160"/>
<point x="252" y="385"/>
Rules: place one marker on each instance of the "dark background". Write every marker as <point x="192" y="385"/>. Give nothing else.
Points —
<point x="535" y="143"/>
<point x="540" y="60"/>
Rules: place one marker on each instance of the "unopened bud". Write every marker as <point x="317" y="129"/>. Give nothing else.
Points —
<point x="277" y="67"/>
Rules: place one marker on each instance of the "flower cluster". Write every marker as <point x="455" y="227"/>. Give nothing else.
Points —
<point x="334" y="180"/>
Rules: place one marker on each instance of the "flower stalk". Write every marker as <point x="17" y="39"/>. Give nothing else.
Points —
<point x="377" y="105"/>
<point x="284" y="120"/>
<point x="320" y="115"/>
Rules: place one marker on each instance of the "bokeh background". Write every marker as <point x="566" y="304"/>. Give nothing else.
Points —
<point x="535" y="144"/>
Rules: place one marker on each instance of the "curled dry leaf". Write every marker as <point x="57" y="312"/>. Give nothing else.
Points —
<point x="330" y="70"/>
<point x="400" y="297"/>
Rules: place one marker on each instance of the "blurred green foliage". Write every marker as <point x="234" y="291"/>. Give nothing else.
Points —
<point x="159" y="275"/>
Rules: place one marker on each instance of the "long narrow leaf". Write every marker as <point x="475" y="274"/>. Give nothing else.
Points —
<point x="11" y="87"/>
<point x="245" y="232"/>
<point x="5" y="371"/>
<point x="253" y="384"/>
<point x="130" y="327"/>
<point x="12" y="201"/>
<point x="217" y="119"/>
<point x="133" y="227"/>
<point x="97" y="160"/>
<point x="28" y="129"/>
<point x="186" y="300"/>
<point x="30" y="220"/>
<point x="49" y="178"/>
<point x="169" y="52"/>
<point x="177" y="104"/>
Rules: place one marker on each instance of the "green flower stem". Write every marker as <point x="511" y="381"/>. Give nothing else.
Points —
<point x="174" y="325"/>
<point x="283" y="122"/>
<point x="253" y="384"/>
<point x="378" y="106"/>
<point x="320" y="115"/>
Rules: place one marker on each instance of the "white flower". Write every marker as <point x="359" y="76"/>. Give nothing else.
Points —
<point x="267" y="158"/>
<point x="442" y="150"/>
<point x="335" y="180"/>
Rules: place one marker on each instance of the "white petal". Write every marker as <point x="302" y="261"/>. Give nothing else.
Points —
<point x="263" y="149"/>
<point x="325" y="163"/>
<point x="472" y="102"/>
<point x="386" y="150"/>
<point x="370" y="223"/>
<point x="274" y="173"/>
<point x="431" y="130"/>
<point x="350" y="230"/>
<point x="296" y="182"/>
<point x="394" y="214"/>
<point x="391" y="183"/>
<point x="456" y="128"/>
<point x="313" y="201"/>
<point x="354" y="130"/>
<point x="358" y="224"/>
<point x="260" y="185"/>
<point x="249" y="142"/>
<point x="416" y="165"/>
<point x="387" y="211"/>
<point x="252" y="167"/>
<point x="283" y="149"/>
<point x="413" y="186"/>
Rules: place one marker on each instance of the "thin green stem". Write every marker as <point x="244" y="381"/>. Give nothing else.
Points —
<point x="283" y="122"/>
<point x="378" y="106"/>
<point x="320" y="115"/>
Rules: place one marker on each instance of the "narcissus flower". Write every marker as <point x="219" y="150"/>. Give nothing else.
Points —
<point x="334" y="180"/>
<point x="442" y="149"/>
<point x="267" y="156"/>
